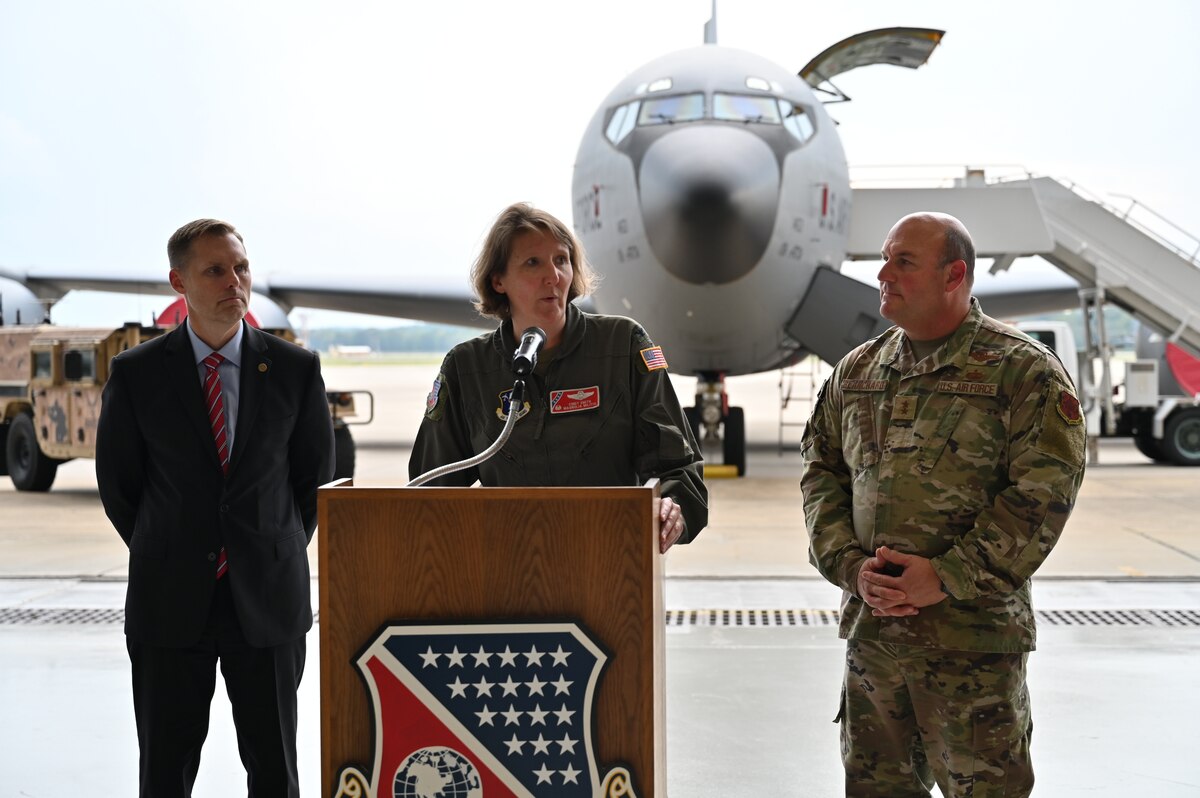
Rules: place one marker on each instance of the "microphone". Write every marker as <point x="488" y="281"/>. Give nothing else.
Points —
<point x="525" y="356"/>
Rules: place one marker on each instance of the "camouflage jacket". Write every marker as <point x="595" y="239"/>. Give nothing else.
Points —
<point x="603" y="412"/>
<point x="971" y="458"/>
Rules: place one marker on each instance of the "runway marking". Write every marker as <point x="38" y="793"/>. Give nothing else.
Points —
<point x="1163" y="543"/>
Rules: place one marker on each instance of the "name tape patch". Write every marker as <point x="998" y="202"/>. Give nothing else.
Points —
<point x="974" y="388"/>
<point x="864" y="385"/>
<point x="573" y="400"/>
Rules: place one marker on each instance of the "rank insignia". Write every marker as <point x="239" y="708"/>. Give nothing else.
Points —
<point x="905" y="408"/>
<point x="1068" y="408"/>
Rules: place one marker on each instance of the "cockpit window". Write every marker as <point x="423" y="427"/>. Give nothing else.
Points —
<point x="796" y="120"/>
<point x="622" y="121"/>
<point x="726" y="107"/>
<point x="669" y="110"/>
<point x="745" y="108"/>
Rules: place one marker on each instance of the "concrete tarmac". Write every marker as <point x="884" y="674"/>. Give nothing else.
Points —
<point x="1114" y="683"/>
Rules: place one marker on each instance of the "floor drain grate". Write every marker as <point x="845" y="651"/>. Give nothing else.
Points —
<point x="58" y="616"/>
<point x="752" y="619"/>
<point x="798" y="617"/>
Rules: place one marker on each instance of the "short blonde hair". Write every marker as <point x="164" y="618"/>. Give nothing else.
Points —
<point x="179" y="247"/>
<point x="520" y="218"/>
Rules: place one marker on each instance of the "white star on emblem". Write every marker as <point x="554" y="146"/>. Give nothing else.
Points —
<point x="535" y="686"/>
<point x="508" y="657"/>
<point x="514" y="745"/>
<point x="459" y="690"/>
<point x="513" y="716"/>
<point x="483" y="687"/>
<point x="562" y="686"/>
<point x="564" y="715"/>
<point x="430" y="658"/>
<point x="567" y="744"/>
<point x="510" y="687"/>
<point x="544" y="775"/>
<point x="485" y="717"/>
<point x="538" y="714"/>
<point x="455" y="658"/>
<point x="534" y="656"/>
<point x="481" y="659"/>
<point x="570" y="775"/>
<point x="560" y="656"/>
<point x="541" y="745"/>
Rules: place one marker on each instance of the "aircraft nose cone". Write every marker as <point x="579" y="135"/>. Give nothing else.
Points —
<point x="709" y="196"/>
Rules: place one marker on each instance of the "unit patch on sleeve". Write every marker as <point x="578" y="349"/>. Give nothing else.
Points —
<point x="573" y="400"/>
<point x="1068" y="408"/>
<point x="653" y="358"/>
<point x="433" y="404"/>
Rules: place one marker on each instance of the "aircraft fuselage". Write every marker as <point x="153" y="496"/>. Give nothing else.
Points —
<point x="708" y="188"/>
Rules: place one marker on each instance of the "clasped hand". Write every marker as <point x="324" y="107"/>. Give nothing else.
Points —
<point x="916" y="585"/>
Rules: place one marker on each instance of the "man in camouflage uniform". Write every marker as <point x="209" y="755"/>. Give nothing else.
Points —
<point x="940" y="464"/>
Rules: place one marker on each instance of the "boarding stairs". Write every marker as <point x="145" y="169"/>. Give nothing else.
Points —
<point x="798" y="388"/>
<point x="1138" y="260"/>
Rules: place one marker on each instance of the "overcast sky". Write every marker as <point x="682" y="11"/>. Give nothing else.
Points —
<point x="383" y="137"/>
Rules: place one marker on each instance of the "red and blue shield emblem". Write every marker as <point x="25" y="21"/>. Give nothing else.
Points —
<point x="464" y="711"/>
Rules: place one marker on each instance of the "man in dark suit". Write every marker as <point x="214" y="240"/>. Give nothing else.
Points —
<point x="208" y="467"/>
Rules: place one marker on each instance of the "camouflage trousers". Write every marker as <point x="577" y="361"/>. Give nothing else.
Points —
<point x="912" y="717"/>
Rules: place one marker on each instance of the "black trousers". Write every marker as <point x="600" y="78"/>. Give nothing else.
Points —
<point x="172" y="691"/>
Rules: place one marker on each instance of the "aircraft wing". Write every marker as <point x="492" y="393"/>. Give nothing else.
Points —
<point x="378" y="297"/>
<point x="54" y="285"/>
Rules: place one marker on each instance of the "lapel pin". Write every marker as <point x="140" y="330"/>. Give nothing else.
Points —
<point x="262" y="368"/>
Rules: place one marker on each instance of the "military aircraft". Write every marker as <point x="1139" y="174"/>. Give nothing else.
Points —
<point x="712" y="193"/>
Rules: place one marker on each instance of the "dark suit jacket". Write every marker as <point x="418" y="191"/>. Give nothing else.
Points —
<point x="163" y="489"/>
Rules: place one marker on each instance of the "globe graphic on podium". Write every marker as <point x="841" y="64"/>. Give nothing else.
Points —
<point x="437" y="773"/>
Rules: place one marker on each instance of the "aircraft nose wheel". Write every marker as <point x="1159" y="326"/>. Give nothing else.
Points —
<point x="714" y="421"/>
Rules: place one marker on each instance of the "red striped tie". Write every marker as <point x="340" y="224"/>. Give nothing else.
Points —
<point x="215" y="405"/>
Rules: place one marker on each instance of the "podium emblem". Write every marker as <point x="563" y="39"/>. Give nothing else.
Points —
<point x="467" y="711"/>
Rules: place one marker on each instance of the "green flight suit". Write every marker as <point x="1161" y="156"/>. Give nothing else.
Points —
<point x="595" y="415"/>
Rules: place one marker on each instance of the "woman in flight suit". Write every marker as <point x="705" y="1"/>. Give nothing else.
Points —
<point x="599" y="408"/>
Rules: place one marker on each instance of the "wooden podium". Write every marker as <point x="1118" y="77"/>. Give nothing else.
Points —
<point x="484" y="555"/>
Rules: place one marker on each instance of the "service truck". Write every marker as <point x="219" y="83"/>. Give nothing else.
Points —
<point x="51" y="379"/>
<point x="1150" y="406"/>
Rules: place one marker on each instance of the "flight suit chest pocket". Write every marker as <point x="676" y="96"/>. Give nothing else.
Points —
<point x="860" y="446"/>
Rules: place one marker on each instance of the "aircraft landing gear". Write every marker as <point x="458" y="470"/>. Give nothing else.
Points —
<point x="713" y="420"/>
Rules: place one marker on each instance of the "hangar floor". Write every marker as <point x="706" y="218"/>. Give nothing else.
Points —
<point x="750" y="694"/>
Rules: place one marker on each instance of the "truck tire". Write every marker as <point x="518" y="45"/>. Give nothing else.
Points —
<point x="27" y="466"/>
<point x="1181" y="437"/>
<point x="734" y="448"/>
<point x="343" y="453"/>
<point x="1149" y="447"/>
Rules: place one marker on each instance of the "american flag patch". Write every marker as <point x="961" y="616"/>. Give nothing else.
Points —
<point x="653" y="358"/>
